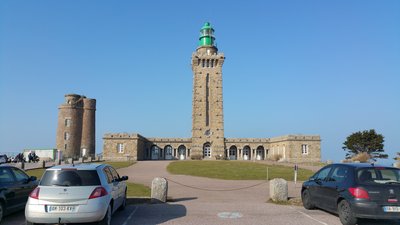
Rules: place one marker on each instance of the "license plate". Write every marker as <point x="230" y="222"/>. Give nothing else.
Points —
<point x="60" y="208"/>
<point x="391" y="208"/>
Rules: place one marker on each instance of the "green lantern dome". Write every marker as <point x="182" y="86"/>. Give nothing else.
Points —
<point x="206" y="35"/>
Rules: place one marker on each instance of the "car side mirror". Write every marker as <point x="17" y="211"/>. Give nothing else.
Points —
<point x="124" y="178"/>
<point x="31" y="178"/>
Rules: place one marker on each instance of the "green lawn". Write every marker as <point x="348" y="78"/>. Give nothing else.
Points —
<point x="138" y="190"/>
<point x="133" y="189"/>
<point x="234" y="170"/>
<point x="118" y="165"/>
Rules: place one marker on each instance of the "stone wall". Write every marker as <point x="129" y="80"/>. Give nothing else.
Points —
<point x="130" y="146"/>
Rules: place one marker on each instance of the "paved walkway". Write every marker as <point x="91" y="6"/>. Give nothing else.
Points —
<point x="144" y="172"/>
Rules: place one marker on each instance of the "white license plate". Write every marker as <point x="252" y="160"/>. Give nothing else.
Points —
<point x="391" y="208"/>
<point x="60" y="208"/>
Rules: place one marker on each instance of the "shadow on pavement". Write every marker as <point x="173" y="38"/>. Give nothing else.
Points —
<point x="157" y="213"/>
<point x="180" y="199"/>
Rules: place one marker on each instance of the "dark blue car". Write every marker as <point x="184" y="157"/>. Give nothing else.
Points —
<point x="353" y="191"/>
<point x="15" y="187"/>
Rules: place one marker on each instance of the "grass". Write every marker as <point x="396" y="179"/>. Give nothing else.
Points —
<point x="122" y="164"/>
<point x="138" y="190"/>
<point x="233" y="170"/>
<point x="133" y="188"/>
<point x="36" y="172"/>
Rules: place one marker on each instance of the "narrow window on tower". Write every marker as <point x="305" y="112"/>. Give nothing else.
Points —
<point x="202" y="63"/>
<point x="66" y="136"/>
<point x="216" y="62"/>
<point x="212" y="63"/>
<point x="207" y="100"/>
<point x="208" y="63"/>
<point x="67" y="122"/>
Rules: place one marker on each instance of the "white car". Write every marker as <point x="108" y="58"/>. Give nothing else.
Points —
<point x="81" y="193"/>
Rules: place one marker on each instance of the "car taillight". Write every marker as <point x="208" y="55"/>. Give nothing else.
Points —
<point x="359" y="193"/>
<point x="35" y="193"/>
<point x="98" y="192"/>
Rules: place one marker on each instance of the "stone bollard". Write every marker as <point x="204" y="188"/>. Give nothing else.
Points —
<point x="23" y="165"/>
<point x="278" y="190"/>
<point x="159" y="190"/>
<point x="43" y="164"/>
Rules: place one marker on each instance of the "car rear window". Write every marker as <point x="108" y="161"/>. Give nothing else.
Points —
<point x="379" y="175"/>
<point x="70" y="178"/>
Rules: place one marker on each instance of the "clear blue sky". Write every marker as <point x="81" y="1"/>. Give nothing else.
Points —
<point x="292" y="67"/>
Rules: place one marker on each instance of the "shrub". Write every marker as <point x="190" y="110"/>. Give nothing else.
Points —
<point x="196" y="157"/>
<point x="361" y="157"/>
<point x="276" y="157"/>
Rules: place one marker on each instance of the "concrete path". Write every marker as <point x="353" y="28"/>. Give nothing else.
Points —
<point x="193" y="205"/>
<point x="199" y="188"/>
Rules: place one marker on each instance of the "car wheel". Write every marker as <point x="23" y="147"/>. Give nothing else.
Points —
<point x="346" y="214"/>
<point x="29" y="223"/>
<point x="306" y="199"/>
<point x="123" y="205"/>
<point x="1" y="211"/>
<point x="107" y="218"/>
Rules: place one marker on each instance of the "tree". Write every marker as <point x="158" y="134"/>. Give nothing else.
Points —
<point x="367" y="141"/>
<point x="397" y="156"/>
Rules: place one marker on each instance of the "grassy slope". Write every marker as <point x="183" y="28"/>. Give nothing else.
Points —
<point x="234" y="170"/>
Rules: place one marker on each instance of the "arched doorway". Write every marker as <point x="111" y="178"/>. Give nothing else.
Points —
<point x="260" y="153"/>
<point x="233" y="152"/>
<point x="155" y="152"/>
<point x="168" y="152"/>
<point x="207" y="150"/>
<point x="182" y="152"/>
<point x="246" y="153"/>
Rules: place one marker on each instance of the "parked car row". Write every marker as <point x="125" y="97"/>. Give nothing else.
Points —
<point x="15" y="187"/>
<point x="81" y="193"/>
<point x="354" y="191"/>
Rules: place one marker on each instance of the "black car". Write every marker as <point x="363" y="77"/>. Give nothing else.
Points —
<point x="356" y="190"/>
<point x="15" y="187"/>
<point x="3" y="159"/>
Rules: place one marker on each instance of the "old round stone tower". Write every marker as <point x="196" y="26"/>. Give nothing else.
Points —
<point x="76" y="126"/>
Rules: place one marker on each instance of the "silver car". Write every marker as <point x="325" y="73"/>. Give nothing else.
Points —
<point x="77" y="194"/>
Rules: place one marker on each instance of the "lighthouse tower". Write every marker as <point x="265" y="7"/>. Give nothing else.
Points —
<point x="207" y="114"/>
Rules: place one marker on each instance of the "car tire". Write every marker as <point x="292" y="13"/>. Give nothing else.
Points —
<point x="346" y="214"/>
<point x="29" y="223"/>
<point x="306" y="199"/>
<point x="1" y="211"/>
<point x="107" y="218"/>
<point x="123" y="205"/>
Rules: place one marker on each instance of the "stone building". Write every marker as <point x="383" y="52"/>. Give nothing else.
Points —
<point x="76" y="127"/>
<point x="208" y="140"/>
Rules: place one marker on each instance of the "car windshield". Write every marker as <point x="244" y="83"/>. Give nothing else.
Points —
<point x="69" y="178"/>
<point x="379" y="175"/>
